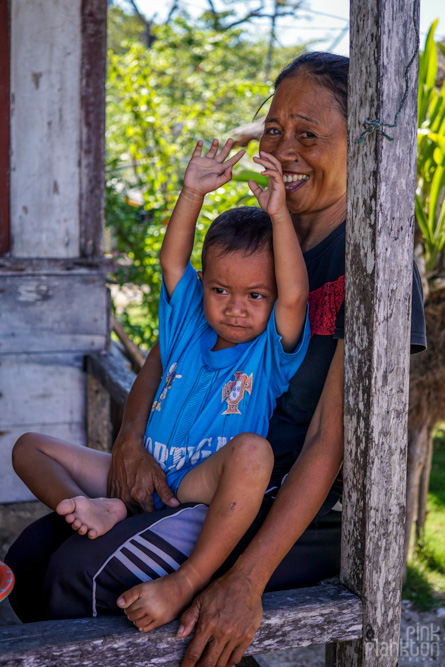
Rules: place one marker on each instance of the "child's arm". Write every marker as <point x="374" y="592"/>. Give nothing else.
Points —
<point x="290" y="269"/>
<point x="204" y="174"/>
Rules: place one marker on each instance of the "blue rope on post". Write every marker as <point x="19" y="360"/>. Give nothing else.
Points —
<point x="372" y="126"/>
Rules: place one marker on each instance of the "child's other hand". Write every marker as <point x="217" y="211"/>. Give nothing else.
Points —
<point x="273" y="199"/>
<point x="208" y="172"/>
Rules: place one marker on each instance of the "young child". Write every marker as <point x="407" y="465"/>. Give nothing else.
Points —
<point x="231" y="338"/>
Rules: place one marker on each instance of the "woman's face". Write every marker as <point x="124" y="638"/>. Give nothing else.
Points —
<point x="306" y="132"/>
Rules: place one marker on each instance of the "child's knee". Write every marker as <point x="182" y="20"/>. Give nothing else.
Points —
<point x="253" y="452"/>
<point x="22" y="447"/>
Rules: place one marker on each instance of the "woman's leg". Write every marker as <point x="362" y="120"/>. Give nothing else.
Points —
<point x="29" y="557"/>
<point x="86" y="577"/>
<point x="70" y="479"/>
<point x="232" y="482"/>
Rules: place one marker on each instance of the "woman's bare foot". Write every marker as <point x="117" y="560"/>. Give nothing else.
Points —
<point x="157" y="602"/>
<point x="95" y="516"/>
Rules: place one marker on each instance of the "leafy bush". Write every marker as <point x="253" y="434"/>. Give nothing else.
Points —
<point x="192" y="84"/>
<point x="430" y="204"/>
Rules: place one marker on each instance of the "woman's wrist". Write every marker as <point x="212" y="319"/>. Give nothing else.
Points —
<point x="131" y="433"/>
<point x="248" y="568"/>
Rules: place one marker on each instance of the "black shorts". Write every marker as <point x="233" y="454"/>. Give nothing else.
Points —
<point x="61" y="574"/>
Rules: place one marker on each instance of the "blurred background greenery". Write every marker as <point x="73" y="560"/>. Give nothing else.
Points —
<point x="195" y="81"/>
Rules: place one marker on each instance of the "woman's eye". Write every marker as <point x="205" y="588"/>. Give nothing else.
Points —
<point x="256" y="295"/>
<point x="307" y="135"/>
<point x="272" y="131"/>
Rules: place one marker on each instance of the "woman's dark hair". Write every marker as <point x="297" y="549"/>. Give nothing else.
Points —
<point x="246" y="228"/>
<point x="329" y="70"/>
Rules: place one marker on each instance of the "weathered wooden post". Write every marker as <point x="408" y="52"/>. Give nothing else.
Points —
<point x="379" y="248"/>
<point x="53" y="295"/>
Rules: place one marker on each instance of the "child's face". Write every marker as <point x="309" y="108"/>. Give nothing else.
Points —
<point x="239" y="294"/>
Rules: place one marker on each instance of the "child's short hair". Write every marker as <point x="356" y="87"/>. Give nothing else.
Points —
<point x="246" y="228"/>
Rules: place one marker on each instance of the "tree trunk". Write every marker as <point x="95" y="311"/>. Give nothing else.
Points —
<point x="427" y="407"/>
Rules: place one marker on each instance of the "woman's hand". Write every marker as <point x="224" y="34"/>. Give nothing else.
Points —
<point x="227" y="615"/>
<point x="273" y="199"/>
<point x="207" y="173"/>
<point x="134" y="476"/>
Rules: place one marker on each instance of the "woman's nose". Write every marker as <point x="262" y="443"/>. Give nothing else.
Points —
<point x="287" y="149"/>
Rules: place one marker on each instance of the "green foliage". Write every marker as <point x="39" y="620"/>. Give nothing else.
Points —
<point x="425" y="581"/>
<point x="121" y="29"/>
<point x="430" y="204"/>
<point x="192" y="84"/>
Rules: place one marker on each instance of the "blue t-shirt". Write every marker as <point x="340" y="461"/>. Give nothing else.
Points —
<point x="207" y="397"/>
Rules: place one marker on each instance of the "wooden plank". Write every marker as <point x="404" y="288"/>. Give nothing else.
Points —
<point x="379" y="248"/>
<point x="98" y="416"/>
<point x="114" y="373"/>
<point x="41" y="389"/>
<point x="52" y="313"/>
<point x="12" y="488"/>
<point x="5" y="125"/>
<point x="132" y="351"/>
<point x="92" y="152"/>
<point x="45" y="127"/>
<point x="31" y="266"/>
<point x="291" y="619"/>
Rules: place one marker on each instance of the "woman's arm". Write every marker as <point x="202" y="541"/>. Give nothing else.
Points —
<point x="228" y="613"/>
<point x="134" y="474"/>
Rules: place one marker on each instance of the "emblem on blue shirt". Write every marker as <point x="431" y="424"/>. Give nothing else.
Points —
<point x="233" y="392"/>
<point x="171" y="377"/>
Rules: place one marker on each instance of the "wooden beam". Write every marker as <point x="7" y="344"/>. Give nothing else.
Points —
<point x="98" y="416"/>
<point x="53" y="313"/>
<point x="132" y="351"/>
<point x="291" y="619"/>
<point x="379" y="251"/>
<point x="92" y="153"/>
<point x="113" y="372"/>
<point x="51" y="267"/>
<point x="5" y="130"/>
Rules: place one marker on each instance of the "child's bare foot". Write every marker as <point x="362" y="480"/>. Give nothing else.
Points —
<point x="95" y="516"/>
<point x="155" y="603"/>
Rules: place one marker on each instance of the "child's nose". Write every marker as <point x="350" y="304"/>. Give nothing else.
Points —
<point x="236" y="305"/>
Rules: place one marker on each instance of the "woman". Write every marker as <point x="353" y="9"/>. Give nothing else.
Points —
<point x="296" y="537"/>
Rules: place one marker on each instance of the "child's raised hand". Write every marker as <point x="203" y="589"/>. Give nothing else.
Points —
<point x="273" y="199"/>
<point x="208" y="172"/>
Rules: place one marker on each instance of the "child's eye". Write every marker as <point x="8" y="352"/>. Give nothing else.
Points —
<point x="219" y="290"/>
<point x="255" y="296"/>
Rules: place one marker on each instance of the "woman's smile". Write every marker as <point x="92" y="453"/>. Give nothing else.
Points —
<point x="294" y="182"/>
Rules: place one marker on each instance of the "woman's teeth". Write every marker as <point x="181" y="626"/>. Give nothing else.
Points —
<point x="292" y="178"/>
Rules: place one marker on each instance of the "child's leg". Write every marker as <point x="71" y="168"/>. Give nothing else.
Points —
<point x="61" y="475"/>
<point x="232" y="482"/>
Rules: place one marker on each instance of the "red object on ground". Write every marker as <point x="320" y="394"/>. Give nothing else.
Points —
<point x="6" y="580"/>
